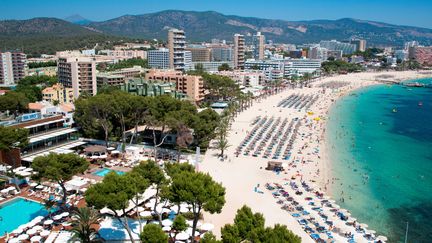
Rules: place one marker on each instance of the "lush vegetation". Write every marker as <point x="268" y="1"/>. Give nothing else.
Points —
<point x="108" y="115"/>
<point x="224" y="67"/>
<point x="42" y="64"/>
<point x="339" y="66"/>
<point x="29" y="89"/>
<point x="84" y="220"/>
<point x="123" y="64"/>
<point x="59" y="168"/>
<point x="250" y="227"/>
<point x="14" y="102"/>
<point x="181" y="184"/>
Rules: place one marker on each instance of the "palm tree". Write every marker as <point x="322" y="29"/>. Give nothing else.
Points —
<point x="82" y="222"/>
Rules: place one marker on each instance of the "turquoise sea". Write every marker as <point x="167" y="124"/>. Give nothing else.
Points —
<point x="380" y="142"/>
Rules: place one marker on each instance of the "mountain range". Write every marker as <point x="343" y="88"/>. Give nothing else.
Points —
<point x="200" y="26"/>
<point x="203" y="26"/>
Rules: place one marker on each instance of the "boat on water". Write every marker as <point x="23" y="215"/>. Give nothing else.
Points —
<point x="394" y="110"/>
<point x="420" y="103"/>
<point x="416" y="85"/>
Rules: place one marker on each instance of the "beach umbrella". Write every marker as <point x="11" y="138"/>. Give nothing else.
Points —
<point x="36" y="238"/>
<point x="141" y="209"/>
<point x="38" y="219"/>
<point x="38" y="227"/>
<point x="31" y="231"/>
<point x="189" y="231"/>
<point x="166" y="228"/>
<point x="182" y="236"/>
<point x="57" y="217"/>
<point x="184" y="209"/>
<point x="23" y="237"/>
<point x="31" y="224"/>
<point x="17" y="231"/>
<point x="33" y="184"/>
<point x="13" y="240"/>
<point x="44" y="233"/>
<point x="65" y="214"/>
<point x="48" y="222"/>
<point x="167" y="222"/>
<point x="145" y="214"/>
<point x="66" y="224"/>
<point x="372" y="231"/>
<point x="207" y="227"/>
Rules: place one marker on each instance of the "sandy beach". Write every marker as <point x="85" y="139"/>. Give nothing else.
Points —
<point x="244" y="176"/>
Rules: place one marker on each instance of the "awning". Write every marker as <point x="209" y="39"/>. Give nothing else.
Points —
<point x="52" y="135"/>
<point x="44" y="123"/>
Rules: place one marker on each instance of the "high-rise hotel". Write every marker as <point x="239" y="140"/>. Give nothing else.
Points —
<point x="78" y="73"/>
<point x="12" y="67"/>
<point x="239" y="51"/>
<point x="176" y="47"/>
<point x="258" y="43"/>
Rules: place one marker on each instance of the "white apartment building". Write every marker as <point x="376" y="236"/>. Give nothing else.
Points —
<point x="245" y="78"/>
<point x="78" y="73"/>
<point x="176" y="47"/>
<point x="12" y="67"/>
<point x="258" y="43"/>
<point x="334" y="45"/>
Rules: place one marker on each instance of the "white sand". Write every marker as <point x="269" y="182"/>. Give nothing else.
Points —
<point x="239" y="175"/>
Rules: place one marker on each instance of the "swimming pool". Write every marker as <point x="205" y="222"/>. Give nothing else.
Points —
<point x="19" y="211"/>
<point x="104" y="171"/>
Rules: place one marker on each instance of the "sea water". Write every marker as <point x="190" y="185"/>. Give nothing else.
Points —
<point x="380" y="144"/>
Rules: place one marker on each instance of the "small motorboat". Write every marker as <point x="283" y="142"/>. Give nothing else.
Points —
<point x="394" y="110"/>
<point x="420" y="103"/>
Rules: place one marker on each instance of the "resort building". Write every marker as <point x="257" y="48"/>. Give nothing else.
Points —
<point x="317" y="52"/>
<point x="221" y="53"/>
<point x="346" y="48"/>
<point x="239" y="51"/>
<point x="360" y="44"/>
<point x="288" y="67"/>
<point x="139" y="86"/>
<point x="126" y="54"/>
<point x="58" y="93"/>
<point x="12" y="67"/>
<point x="78" y="73"/>
<point x="423" y="55"/>
<point x="191" y="85"/>
<point x="109" y="79"/>
<point x="50" y="130"/>
<point x="199" y="53"/>
<point x="176" y="47"/>
<point x="131" y="72"/>
<point x="245" y="78"/>
<point x="258" y="41"/>
<point x="159" y="58"/>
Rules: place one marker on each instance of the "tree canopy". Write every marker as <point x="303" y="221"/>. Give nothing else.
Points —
<point x="14" y="102"/>
<point x="108" y="115"/>
<point x="153" y="233"/>
<point x="59" y="168"/>
<point x="249" y="226"/>
<point x="128" y="63"/>
<point x="337" y="66"/>
<point x="11" y="137"/>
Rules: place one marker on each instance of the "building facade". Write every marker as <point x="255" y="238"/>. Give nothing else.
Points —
<point x="139" y="86"/>
<point x="199" y="53"/>
<point x="245" y="78"/>
<point x="191" y="85"/>
<point x="423" y="55"/>
<point x="211" y="66"/>
<point x="239" y="51"/>
<point x="346" y="48"/>
<point x="159" y="59"/>
<point x="360" y="44"/>
<point x="58" y="93"/>
<point x="108" y="79"/>
<point x="221" y="54"/>
<point x="12" y="67"/>
<point x="78" y="73"/>
<point x="258" y="43"/>
<point x="176" y="47"/>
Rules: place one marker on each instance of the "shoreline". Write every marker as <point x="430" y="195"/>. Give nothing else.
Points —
<point x="310" y="155"/>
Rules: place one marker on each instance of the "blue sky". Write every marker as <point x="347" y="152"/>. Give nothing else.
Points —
<point x="404" y="12"/>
